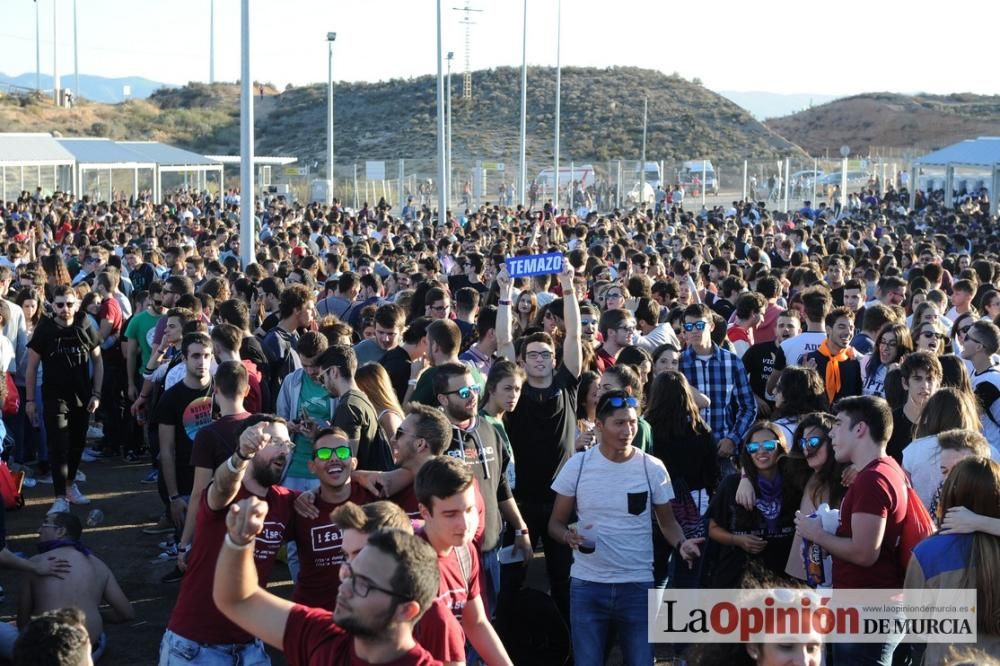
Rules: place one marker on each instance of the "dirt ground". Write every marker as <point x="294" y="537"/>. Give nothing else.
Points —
<point x="113" y="486"/>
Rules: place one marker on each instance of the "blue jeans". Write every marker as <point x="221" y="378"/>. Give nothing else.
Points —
<point x="596" y="608"/>
<point x="490" y="564"/>
<point x="175" y="650"/>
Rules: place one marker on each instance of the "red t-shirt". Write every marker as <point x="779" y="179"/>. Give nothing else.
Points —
<point x="440" y="633"/>
<point x="254" y="402"/>
<point x="879" y="490"/>
<point x="604" y="359"/>
<point x="312" y="639"/>
<point x="195" y="615"/>
<point x="110" y="310"/>
<point x="407" y="500"/>
<point x="320" y="553"/>
<point x="455" y="589"/>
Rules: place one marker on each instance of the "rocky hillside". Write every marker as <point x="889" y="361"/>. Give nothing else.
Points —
<point x="886" y="120"/>
<point x="601" y="119"/>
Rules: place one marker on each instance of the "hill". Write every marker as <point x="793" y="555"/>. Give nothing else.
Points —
<point x="887" y="120"/>
<point x="601" y="119"/>
<point x="95" y="88"/>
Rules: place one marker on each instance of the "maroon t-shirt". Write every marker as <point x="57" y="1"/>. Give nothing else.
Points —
<point x="111" y="311"/>
<point x="312" y="639"/>
<point x="880" y="490"/>
<point x="321" y="553"/>
<point x="195" y="615"/>
<point x="455" y="588"/>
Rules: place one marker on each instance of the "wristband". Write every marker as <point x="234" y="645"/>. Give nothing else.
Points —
<point x="184" y="549"/>
<point x="523" y="532"/>
<point x="411" y="382"/>
<point x="237" y="546"/>
<point x="503" y="301"/>
<point x="241" y="456"/>
<point x="233" y="468"/>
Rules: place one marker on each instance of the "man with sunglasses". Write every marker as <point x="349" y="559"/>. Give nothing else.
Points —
<point x="384" y="591"/>
<point x="318" y="540"/>
<point x="981" y="345"/>
<point x="198" y="632"/>
<point x="720" y="375"/>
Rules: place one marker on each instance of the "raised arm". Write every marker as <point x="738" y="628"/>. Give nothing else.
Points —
<point x="572" y="352"/>
<point x="229" y="475"/>
<point x="505" y="339"/>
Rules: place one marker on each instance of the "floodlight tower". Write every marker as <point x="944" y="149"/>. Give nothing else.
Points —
<point x="468" y="23"/>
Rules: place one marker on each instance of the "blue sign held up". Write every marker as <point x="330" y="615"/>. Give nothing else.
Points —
<point x="535" y="264"/>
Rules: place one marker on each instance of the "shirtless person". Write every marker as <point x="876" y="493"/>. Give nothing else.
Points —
<point x="86" y="585"/>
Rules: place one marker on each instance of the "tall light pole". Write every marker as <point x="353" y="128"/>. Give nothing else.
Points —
<point x="55" y="52"/>
<point x="76" y="58"/>
<point x="247" y="199"/>
<point x="558" y="93"/>
<point x="642" y="162"/>
<point x="211" y="41"/>
<point x="447" y="181"/>
<point x="442" y="202"/>
<point x="330" y="38"/>
<point x="522" y="186"/>
<point x="38" y="51"/>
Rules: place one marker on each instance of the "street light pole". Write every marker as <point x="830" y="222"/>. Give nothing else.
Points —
<point x="447" y="181"/>
<point x="55" y="52"/>
<point x="522" y="186"/>
<point x="38" y="51"/>
<point x="76" y="58"/>
<point x="330" y="38"/>
<point x="558" y="93"/>
<point x="642" y="163"/>
<point x="442" y="202"/>
<point x="211" y="42"/>
<point x="247" y="199"/>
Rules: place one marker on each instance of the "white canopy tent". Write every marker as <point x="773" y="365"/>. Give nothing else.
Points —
<point x="31" y="160"/>
<point x="101" y="158"/>
<point x="982" y="153"/>
<point x="194" y="168"/>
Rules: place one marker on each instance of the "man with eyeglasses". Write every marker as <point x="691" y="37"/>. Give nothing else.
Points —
<point x="318" y="540"/>
<point x="617" y="326"/>
<point x="198" y="632"/>
<point x="92" y="264"/>
<point x="384" y="591"/>
<point x="720" y="375"/>
<point x="438" y="303"/>
<point x="981" y="345"/>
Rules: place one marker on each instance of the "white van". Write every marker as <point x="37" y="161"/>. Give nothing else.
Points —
<point x="703" y="171"/>
<point x="583" y="173"/>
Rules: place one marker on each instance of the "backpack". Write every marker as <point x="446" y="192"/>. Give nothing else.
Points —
<point x="11" y="484"/>
<point x="917" y="526"/>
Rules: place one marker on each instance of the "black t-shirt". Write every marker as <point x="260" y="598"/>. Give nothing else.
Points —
<point x="724" y="308"/>
<point x="65" y="352"/>
<point x="251" y="350"/>
<point x="217" y="441"/>
<point x="732" y="560"/>
<point x="397" y="362"/>
<point x="761" y="360"/>
<point x="188" y="410"/>
<point x="356" y="416"/>
<point x="542" y="429"/>
<point x="902" y="434"/>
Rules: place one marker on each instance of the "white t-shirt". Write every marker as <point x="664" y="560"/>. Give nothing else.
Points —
<point x="612" y="502"/>
<point x="801" y="344"/>
<point x="922" y="461"/>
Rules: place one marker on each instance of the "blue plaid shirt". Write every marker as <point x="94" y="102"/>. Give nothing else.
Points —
<point x="723" y="378"/>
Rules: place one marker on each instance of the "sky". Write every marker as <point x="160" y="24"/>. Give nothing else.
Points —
<point x="779" y="46"/>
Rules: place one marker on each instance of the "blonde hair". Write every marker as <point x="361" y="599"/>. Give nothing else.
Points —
<point x="374" y="381"/>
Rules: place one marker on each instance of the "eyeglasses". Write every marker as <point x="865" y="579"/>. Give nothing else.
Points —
<point x="282" y="444"/>
<point x="59" y="305"/>
<point x="813" y="442"/>
<point x="399" y="433"/>
<point x="466" y="391"/>
<point x="964" y="330"/>
<point x="361" y="586"/>
<point x="695" y="325"/>
<point x="538" y="356"/>
<point x="588" y="322"/>
<point x="933" y="334"/>
<point x="327" y="453"/>
<point x="628" y="329"/>
<point x="888" y="344"/>
<point x="618" y="402"/>
<point x="441" y="308"/>
<point x="768" y="445"/>
<point x="969" y="339"/>
<point x="610" y="296"/>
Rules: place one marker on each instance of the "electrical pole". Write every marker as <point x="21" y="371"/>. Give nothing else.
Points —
<point x="522" y="186"/>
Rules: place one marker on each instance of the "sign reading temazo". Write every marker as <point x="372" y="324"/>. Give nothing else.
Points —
<point x="535" y="264"/>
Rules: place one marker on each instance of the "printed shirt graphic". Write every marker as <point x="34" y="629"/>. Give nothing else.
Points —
<point x="196" y="416"/>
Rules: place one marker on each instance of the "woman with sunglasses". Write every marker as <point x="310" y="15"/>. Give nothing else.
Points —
<point x="798" y="391"/>
<point x="929" y="336"/>
<point x="892" y="343"/>
<point x="615" y="490"/>
<point x="763" y="534"/>
<point x="960" y="328"/>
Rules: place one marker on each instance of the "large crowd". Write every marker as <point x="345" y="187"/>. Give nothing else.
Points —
<point x="376" y="401"/>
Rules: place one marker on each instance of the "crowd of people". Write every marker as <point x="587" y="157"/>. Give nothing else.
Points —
<point x="376" y="401"/>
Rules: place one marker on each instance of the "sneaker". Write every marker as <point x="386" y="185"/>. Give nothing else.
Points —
<point x="74" y="495"/>
<point x="163" y="526"/>
<point x="132" y="457"/>
<point x="60" y="506"/>
<point x="166" y="556"/>
<point x="87" y="456"/>
<point x="46" y="478"/>
<point x="80" y="476"/>
<point x="152" y="477"/>
<point x="29" y="482"/>
<point x="173" y="577"/>
<point x="95" y="432"/>
<point x="167" y="545"/>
